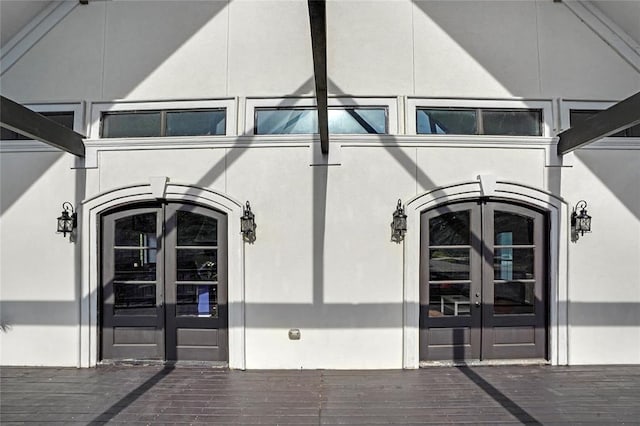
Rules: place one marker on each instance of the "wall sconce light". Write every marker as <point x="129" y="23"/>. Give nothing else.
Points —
<point x="248" y="224"/>
<point x="399" y="224"/>
<point x="580" y="220"/>
<point x="68" y="220"/>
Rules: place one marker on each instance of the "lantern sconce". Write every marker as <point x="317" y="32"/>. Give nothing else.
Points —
<point x="580" y="220"/>
<point x="399" y="224"/>
<point x="248" y="224"/>
<point x="68" y="220"/>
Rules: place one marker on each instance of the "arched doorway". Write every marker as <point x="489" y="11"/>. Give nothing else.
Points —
<point x="483" y="282"/>
<point x="163" y="283"/>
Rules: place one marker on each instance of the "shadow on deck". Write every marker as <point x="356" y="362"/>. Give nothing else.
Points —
<point x="168" y="394"/>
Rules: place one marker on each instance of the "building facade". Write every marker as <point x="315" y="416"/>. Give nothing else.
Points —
<point x="191" y="109"/>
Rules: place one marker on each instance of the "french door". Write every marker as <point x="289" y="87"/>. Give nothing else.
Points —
<point x="164" y="284"/>
<point x="483" y="282"/>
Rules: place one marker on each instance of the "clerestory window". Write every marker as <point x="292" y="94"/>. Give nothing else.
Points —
<point x="479" y="121"/>
<point x="159" y="119"/>
<point x="304" y="120"/>
<point x="145" y="123"/>
<point x="479" y="117"/>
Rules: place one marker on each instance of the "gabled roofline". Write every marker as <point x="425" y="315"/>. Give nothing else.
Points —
<point x="614" y="36"/>
<point x="33" y="32"/>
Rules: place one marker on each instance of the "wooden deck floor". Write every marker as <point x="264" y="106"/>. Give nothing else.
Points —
<point x="439" y="395"/>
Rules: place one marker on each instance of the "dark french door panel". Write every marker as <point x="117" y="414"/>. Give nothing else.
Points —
<point x="450" y="318"/>
<point x="483" y="282"/>
<point x="196" y="294"/>
<point x="132" y="285"/>
<point x="514" y="283"/>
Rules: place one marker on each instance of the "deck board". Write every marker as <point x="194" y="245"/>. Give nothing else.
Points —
<point x="438" y="395"/>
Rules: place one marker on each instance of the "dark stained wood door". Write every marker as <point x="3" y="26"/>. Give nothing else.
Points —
<point x="483" y="282"/>
<point x="164" y="284"/>
<point x="514" y="282"/>
<point x="196" y="291"/>
<point x="450" y="285"/>
<point x="132" y="309"/>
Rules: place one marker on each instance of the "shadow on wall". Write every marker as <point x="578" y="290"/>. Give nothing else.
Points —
<point x="185" y="19"/>
<point x="516" y="45"/>
<point x="334" y="315"/>
<point x="18" y="172"/>
<point x="484" y="38"/>
<point x="619" y="171"/>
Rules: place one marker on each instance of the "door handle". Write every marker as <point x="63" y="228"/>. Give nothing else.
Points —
<point x="477" y="303"/>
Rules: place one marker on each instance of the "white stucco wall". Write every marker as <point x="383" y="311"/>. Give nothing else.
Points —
<point x="323" y="261"/>
<point x="604" y="272"/>
<point x="39" y="302"/>
<point x="127" y="50"/>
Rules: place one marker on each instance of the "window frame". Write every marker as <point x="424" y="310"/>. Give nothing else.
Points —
<point x="413" y="104"/>
<point x="565" y="116"/>
<point x="254" y="104"/>
<point x="77" y="108"/>
<point x="98" y="109"/>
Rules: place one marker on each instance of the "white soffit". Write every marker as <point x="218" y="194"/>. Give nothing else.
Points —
<point x="15" y="15"/>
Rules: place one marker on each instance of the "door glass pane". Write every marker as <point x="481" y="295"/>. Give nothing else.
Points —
<point x="134" y="299"/>
<point x="196" y="229"/>
<point x="448" y="264"/>
<point x="136" y="231"/>
<point x="447" y="121"/>
<point x="197" y="265"/>
<point x="131" y="125"/>
<point x="512" y="229"/>
<point x="197" y="300"/>
<point x="450" y="229"/>
<point x="513" y="263"/>
<point x="514" y="298"/>
<point x="448" y="299"/>
<point x="135" y="265"/>
<point x="196" y="123"/>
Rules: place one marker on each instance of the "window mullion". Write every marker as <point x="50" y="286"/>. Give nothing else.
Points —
<point x="163" y="123"/>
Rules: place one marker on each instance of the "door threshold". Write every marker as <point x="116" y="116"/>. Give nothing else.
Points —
<point x="485" y="362"/>
<point x="153" y="362"/>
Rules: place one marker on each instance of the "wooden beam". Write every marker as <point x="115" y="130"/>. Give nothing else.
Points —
<point x="620" y="116"/>
<point x="20" y="119"/>
<point x="318" y="21"/>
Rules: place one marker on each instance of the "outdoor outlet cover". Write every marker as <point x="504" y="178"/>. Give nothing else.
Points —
<point x="294" y="334"/>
